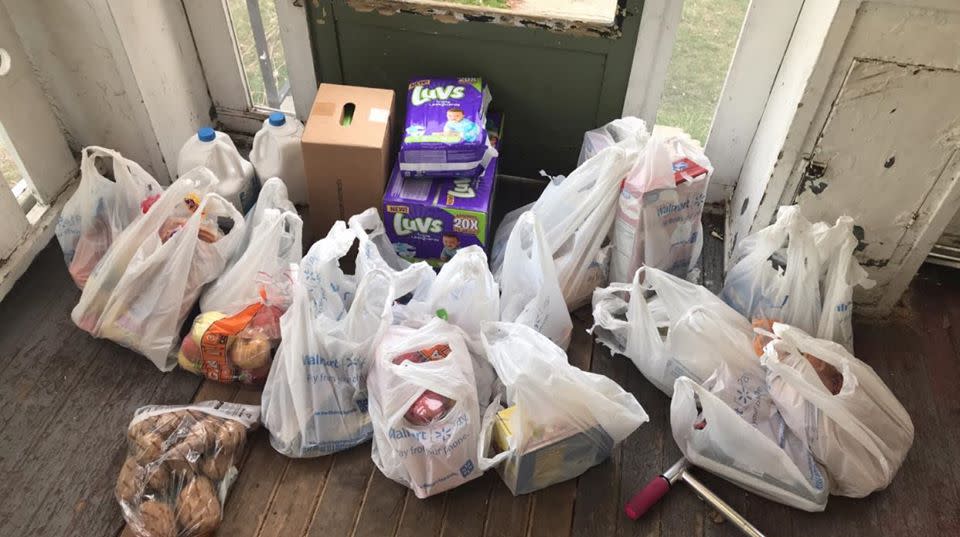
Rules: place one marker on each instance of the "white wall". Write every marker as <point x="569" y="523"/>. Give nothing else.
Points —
<point x="115" y="72"/>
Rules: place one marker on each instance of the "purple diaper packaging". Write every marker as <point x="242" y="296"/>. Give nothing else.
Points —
<point x="430" y="219"/>
<point x="444" y="130"/>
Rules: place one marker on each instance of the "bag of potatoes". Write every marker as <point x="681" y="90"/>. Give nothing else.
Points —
<point x="181" y="461"/>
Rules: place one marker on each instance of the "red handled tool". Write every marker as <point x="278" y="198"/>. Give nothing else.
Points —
<point x="648" y="496"/>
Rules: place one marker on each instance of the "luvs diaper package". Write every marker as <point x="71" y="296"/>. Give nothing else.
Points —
<point x="444" y="133"/>
<point x="431" y="219"/>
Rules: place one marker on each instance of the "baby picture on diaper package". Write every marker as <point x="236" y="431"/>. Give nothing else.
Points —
<point x="445" y="128"/>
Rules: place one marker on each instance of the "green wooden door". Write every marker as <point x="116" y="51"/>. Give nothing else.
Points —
<point x="552" y="85"/>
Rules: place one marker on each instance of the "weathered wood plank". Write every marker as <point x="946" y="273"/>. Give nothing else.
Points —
<point x="291" y="507"/>
<point x="347" y="481"/>
<point x="507" y="516"/>
<point x="382" y="506"/>
<point x="421" y="517"/>
<point x="597" y="511"/>
<point x="466" y="508"/>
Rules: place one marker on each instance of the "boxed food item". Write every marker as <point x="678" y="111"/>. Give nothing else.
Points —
<point x="431" y="219"/>
<point x="346" y="152"/>
<point x="550" y="454"/>
<point x="443" y="134"/>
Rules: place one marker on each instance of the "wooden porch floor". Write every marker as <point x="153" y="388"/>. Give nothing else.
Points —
<point x="66" y="399"/>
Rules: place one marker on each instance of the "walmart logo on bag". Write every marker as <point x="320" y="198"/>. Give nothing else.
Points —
<point x="467" y="468"/>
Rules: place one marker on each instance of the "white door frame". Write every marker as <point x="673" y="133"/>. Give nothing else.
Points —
<point x="763" y="40"/>
<point x="41" y="150"/>
<point x="218" y="53"/>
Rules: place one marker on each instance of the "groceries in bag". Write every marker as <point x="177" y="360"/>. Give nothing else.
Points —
<point x="858" y="430"/>
<point x="216" y="151"/>
<point x="181" y="461"/>
<point x="233" y="348"/>
<point x="276" y="152"/>
<point x="775" y="273"/>
<point x="424" y="408"/>
<point x="560" y="420"/>
<point x="377" y="253"/>
<point x="661" y="203"/>
<point x="576" y="214"/>
<point x="842" y="273"/>
<point x="142" y="290"/>
<point x="101" y="208"/>
<point x="315" y="398"/>
<point x="264" y="266"/>
<point x="445" y="132"/>
<point x="731" y="427"/>
<point x="531" y="290"/>
<point x="465" y="295"/>
<point x="668" y="327"/>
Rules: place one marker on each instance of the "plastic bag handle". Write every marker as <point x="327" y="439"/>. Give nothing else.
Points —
<point x="486" y="438"/>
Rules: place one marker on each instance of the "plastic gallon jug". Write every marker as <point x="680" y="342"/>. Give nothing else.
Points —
<point x="276" y="153"/>
<point x="215" y="150"/>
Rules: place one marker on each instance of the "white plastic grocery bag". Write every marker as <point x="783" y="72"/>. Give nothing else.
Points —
<point x="658" y="221"/>
<point x="264" y="267"/>
<point x="272" y="195"/>
<point x="464" y="294"/>
<point x="858" y="430"/>
<point x="775" y="273"/>
<point x="563" y="420"/>
<point x="423" y="403"/>
<point x="680" y="329"/>
<point x="531" y="291"/>
<point x="841" y="274"/>
<point x="142" y="290"/>
<point x="730" y="427"/>
<point x="101" y="208"/>
<point x="611" y="133"/>
<point x="315" y="400"/>
<point x="576" y="214"/>
<point x="376" y="252"/>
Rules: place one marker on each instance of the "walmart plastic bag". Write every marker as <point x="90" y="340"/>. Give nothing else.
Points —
<point x="668" y="327"/>
<point x="101" y="208"/>
<point x="775" y="273"/>
<point x="559" y="420"/>
<point x="275" y="243"/>
<point x="841" y="273"/>
<point x="424" y="408"/>
<point x="142" y="290"/>
<point x="576" y="214"/>
<point x="858" y="430"/>
<point x="315" y="400"/>
<point x="464" y="294"/>
<point x="730" y="426"/>
<point x="531" y="291"/>
<point x="234" y="338"/>
<point x="658" y="222"/>
<point x="377" y="253"/>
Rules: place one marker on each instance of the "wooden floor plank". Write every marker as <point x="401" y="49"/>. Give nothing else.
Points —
<point x="347" y="481"/>
<point x="551" y="510"/>
<point x="466" y="507"/>
<point x="421" y="517"/>
<point x="382" y="506"/>
<point x="297" y="495"/>
<point x="507" y="515"/>
<point x="597" y="510"/>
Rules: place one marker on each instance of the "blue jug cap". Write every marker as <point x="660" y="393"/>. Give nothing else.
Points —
<point x="206" y="134"/>
<point x="277" y="119"/>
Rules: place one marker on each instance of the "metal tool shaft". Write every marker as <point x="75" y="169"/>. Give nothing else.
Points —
<point x="729" y="512"/>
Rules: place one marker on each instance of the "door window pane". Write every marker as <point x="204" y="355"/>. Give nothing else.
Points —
<point x="705" y="43"/>
<point x="257" y="32"/>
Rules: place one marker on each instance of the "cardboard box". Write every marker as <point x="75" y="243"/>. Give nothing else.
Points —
<point x="549" y="455"/>
<point x="429" y="219"/>
<point x="346" y="152"/>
